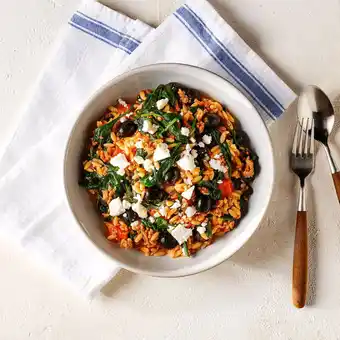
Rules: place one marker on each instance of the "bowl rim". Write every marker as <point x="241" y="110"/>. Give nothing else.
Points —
<point x="92" y="98"/>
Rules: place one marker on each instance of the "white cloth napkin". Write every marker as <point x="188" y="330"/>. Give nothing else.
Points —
<point x="97" y="45"/>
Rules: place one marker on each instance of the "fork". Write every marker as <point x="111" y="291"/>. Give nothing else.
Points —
<point x="302" y="164"/>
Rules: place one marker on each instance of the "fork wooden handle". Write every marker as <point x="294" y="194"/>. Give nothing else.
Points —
<point x="336" y="180"/>
<point x="300" y="261"/>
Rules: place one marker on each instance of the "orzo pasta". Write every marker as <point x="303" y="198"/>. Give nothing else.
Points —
<point x="169" y="173"/>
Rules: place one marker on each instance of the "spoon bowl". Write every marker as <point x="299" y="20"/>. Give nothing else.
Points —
<point x="314" y="103"/>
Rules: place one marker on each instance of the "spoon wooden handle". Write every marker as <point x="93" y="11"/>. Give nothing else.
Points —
<point x="300" y="261"/>
<point x="336" y="180"/>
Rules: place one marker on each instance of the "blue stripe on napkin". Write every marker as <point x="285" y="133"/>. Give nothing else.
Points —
<point x="251" y="85"/>
<point x="104" y="32"/>
<point x="110" y="28"/>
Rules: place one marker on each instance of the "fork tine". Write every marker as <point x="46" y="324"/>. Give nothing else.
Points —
<point x="307" y="142"/>
<point x="295" y="141"/>
<point x="311" y="150"/>
<point x="301" y="123"/>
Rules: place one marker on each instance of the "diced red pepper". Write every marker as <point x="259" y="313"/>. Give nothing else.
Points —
<point x="116" y="151"/>
<point x="226" y="187"/>
<point x="123" y="108"/>
<point x="122" y="235"/>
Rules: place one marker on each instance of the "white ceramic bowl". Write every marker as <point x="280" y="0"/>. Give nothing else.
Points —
<point x="127" y="86"/>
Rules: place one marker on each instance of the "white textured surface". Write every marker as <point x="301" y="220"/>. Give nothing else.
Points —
<point x="247" y="297"/>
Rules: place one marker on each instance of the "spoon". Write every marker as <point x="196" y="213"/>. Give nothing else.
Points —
<point x="313" y="102"/>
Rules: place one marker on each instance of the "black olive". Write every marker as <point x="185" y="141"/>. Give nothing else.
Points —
<point x="172" y="175"/>
<point x="244" y="205"/>
<point x="249" y="191"/>
<point x="204" y="203"/>
<point x="196" y="236"/>
<point x="167" y="240"/>
<point x="201" y="153"/>
<point x="242" y="138"/>
<point x="237" y="183"/>
<point x="127" y="129"/>
<point x="130" y="216"/>
<point x="211" y="120"/>
<point x="102" y="206"/>
<point x="191" y="93"/>
<point x="154" y="194"/>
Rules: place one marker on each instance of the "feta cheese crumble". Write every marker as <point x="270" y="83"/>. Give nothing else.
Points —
<point x="116" y="207"/>
<point x="187" y="161"/>
<point x="122" y="120"/>
<point x="206" y="139"/>
<point x="180" y="233"/>
<point x="201" y="144"/>
<point x="122" y="102"/>
<point x="201" y="230"/>
<point x="121" y="162"/>
<point x="162" y="210"/>
<point x="194" y="153"/>
<point x="138" y="159"/>
<point x="151" y="219"/>
<point x="126" y="204"/>
<point x="185" y="131"/>
<point x="176" y="205"/>
<point x="162" y="103"/>
<point x="187" y="194"/>
<point x="190" y="211"/>
<point x="216" y="165"/>
<point x="161" y="152"/>
<point x="139" y="144"/>
<point x="140" y="210"/>
<point x="187" y="181"/>
<point x="149" y="127"/>
<point x="148" y="166"/>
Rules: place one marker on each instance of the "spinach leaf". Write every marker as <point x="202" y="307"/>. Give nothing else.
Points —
<point x="194" y="109"/>
<point x="147" y="223"/>
<point x="141" y="153"/>
<point x="227" y="218"/>
<point x="169" y="92"/>
<point x="218" y="175"/>
<point x="167" y="164"/>
<point x="212" y="186"/>
<point x="102" y="134"/>
<point x="161" y="92"/>
<point x="115" y="181"/>
<point x="193" y="127"/>
<point x="91" y="181"/>
<point x="224" y="149"/>
<point x="92" y="153"/>
<point x="185" y="249"/>
<point x="150" y="180"/>
<point x="160" y="224"/>
<point x="168" y="123"/>
<point x="208" y="230"/>
<point x="157" y="177"/>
